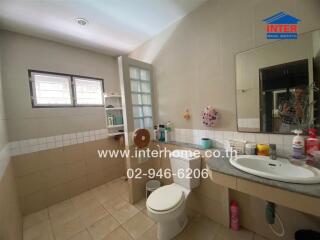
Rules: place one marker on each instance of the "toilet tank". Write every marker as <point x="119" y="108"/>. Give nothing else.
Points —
<point x="185" y="159"/>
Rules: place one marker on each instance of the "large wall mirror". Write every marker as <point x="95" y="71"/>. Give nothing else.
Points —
<point x="277" y="86"/>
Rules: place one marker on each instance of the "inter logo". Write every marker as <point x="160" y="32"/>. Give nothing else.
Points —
<point x="282" y="26"/>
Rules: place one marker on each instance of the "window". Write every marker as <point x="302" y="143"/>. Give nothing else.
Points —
<point x="88" y="91"/>
<point x="51" y="89"/>
<point x="141" y="96"/>
<point x="64" y="90"/>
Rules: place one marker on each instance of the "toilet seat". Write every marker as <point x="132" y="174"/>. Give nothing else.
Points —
<point x="165" y="198"/>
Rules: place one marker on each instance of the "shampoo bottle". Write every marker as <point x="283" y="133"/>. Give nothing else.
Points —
<point x="298" y="145"/>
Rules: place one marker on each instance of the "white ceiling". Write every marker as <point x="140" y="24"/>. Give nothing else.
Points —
<point x="115" y="26"/>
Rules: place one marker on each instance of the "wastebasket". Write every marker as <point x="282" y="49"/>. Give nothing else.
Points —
<point x="151" y="186"/>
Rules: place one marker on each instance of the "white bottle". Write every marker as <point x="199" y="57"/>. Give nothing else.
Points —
<point x="297" y="145"/>
<point x="155" y="133"/>
<point x="166" y="135"/>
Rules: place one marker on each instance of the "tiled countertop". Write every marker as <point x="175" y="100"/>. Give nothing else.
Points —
<point x="222" y="165"/>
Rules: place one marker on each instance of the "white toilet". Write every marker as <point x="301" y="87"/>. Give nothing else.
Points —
<point x="166" y="205"/>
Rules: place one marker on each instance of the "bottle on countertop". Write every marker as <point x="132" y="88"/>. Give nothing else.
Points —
<point x="161" y="133"/>
<point x="167" y="132"/>
<point x="155" y="133"/>
<point x="298" y="145"/>
<point x="312" y="145"/>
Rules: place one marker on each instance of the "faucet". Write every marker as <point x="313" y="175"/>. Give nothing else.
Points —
<point x="273" y="151"/>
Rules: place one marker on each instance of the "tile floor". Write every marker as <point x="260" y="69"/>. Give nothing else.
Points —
<point x="104" y="213"/>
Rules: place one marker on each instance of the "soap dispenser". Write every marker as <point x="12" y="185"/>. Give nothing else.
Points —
<point x="298" y="145"/>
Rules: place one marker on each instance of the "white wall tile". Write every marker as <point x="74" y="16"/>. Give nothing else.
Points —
<point x="250" y="137"/>
<point x="227" y="135"/>
<point x="276" y="139"/>
<point x="262" y="138"/>
<point x="239" y="135"/>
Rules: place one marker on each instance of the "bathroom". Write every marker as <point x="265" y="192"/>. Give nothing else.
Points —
<point x="206" y="73"/>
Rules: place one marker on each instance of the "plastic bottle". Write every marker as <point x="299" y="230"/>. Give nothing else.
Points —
<point x="161" y="129"/>
<point x="155" y="133"/>
<point x="167" y="132"/>
<point x="298" y="145"/>
<point x="312" y="145"/>
<point x="312" y="142"/>
<point x="234" y="216"/>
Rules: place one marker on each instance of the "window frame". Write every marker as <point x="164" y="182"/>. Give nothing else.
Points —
<point x="72" y="90"/>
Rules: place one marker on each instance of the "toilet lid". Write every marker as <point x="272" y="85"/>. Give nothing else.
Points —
<point x="165" y="198"/>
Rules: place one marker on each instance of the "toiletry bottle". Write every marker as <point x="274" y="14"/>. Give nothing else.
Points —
<point x="234" y="214"/>
<point x="263" y="149"/>
<point x="312" y="144"/>
<point x="298" y="145"/>
<point x="155" y="133"/>
<point x="161" y="132"/>
<point x="167" y="132"/>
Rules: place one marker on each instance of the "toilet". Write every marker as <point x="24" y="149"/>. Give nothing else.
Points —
<point x="166" y="205"/>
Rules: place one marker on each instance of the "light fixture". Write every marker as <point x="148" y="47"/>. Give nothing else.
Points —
<point x="82" y="21"/>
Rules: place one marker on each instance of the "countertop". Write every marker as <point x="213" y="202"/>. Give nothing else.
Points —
<point x="222" y="165"/>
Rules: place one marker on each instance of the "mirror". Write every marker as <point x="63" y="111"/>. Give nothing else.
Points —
<point x="277" y="86"/>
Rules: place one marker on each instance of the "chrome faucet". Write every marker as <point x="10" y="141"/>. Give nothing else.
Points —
<point x="273" y="151"/>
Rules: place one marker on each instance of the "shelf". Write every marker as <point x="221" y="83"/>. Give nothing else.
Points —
<point x="114" y="108"/>
<point x="116" y="126"/>
<point x="116" y="134"/>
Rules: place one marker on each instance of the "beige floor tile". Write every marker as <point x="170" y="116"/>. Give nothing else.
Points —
<point x="85" y="201"/>
<point x="194" y="231"/>
<point x="89" y="216"/>
<point x="151" y="234"/>
<point x="141" y="204"/>
<point x="120" y="209"/>
<point x="62" y="217"/>
<point x="207" y="223"/>
<point x="38" y="231"/>
<point x="125" y="196"/>
<point x="242" y="234"/>
<point x="114" y="204"/>
<point x="118" y="186"/>
<point x="84" y="235"/>
<point x="103" y="227"/>
<point x="138" y="225"/>
<point x="60" y="208"/>
<point x="118" y="234"/>
<point x="35" y="218"/>
<point x="44" y="236"/>
<point x="104" y="193"/>
<point x="258" y="237"/>
<point x="67" y="230"/>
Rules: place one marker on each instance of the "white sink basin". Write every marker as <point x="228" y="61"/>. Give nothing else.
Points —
<point x="280" y="169"/>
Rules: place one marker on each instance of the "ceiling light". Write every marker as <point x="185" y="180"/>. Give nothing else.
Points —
<point x="82" y="21"/>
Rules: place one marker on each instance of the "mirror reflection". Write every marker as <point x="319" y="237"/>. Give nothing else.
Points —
<point x="279" y="82"/>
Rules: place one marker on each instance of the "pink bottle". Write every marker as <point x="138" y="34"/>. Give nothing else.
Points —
<point x="234" y="213"/>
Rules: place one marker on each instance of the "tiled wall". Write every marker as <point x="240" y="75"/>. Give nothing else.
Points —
<point x="51" y="142"/>
<point x="283" y="142"/>
<point x="10" y="216"/>
<point x="48" y="176"/>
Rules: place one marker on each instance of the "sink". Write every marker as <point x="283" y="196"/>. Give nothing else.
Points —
<point x="280" y="169"/>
